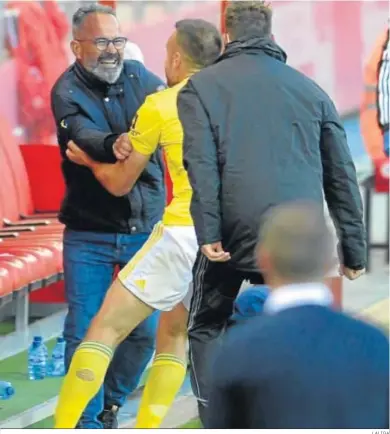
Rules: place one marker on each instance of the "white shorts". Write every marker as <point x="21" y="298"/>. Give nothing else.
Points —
<point x="161" y="271"/>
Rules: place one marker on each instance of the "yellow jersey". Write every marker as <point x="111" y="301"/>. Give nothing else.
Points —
<point x="157" y="124"/>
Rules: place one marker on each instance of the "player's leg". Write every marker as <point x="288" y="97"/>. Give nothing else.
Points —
<point x="215" y="287"/>
<point x="168" y="369"/>
<point x="134" y="353"/>
<point x="120" y="313"/>
<point x="125" y="306"/>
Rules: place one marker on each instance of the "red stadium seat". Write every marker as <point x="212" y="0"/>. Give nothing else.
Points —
<point x="14" y="171"/>
<point x="24" y="272"/>
<point x="30" y="243"/>
<point x="34" y="257"/>
<point x="6" y="282"/>
<point x="49" y="256"/>
<point x="9" y="204"/>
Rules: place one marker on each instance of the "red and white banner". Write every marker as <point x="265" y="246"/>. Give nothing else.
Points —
<point x="327" y="40"/>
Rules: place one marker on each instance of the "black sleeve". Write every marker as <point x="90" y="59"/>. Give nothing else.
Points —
<point x="200" y="161"/>
<point x="341" y="189"/>
<point x="77" y="126"/>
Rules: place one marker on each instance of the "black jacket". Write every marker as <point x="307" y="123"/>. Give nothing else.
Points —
<point x="93" y="114"/>
<point x="258" y="133"/>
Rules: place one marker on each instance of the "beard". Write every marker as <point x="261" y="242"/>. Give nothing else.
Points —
<point x="107" y="68"/>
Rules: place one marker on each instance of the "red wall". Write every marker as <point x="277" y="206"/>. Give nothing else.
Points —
<point x="8" y="92"/>
<point x="328" y="40"/>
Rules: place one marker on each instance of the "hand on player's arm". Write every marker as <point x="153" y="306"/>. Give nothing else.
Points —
<point x="122" y="147"/>
<point x="132" y="150"/>
<point x="118" y="178"/>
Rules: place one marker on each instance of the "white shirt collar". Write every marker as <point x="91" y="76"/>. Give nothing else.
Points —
<point x="296" y="295"/>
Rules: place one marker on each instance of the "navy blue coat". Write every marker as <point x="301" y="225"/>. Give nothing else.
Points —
<point x="93" y="114"/>
<point x="304" y="367"/>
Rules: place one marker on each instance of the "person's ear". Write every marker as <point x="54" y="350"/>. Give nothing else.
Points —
<point x="76" y="49"/>
<point x="177" y="60"/>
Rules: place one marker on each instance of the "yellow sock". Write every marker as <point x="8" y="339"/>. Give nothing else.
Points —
<point x="82" y="382"/>
<point x="164" y="382"/>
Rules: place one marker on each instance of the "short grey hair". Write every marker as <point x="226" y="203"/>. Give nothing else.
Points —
<point x="298" y="240"/>
<point x="81" y="13"/>
<point x="248" y="19"/>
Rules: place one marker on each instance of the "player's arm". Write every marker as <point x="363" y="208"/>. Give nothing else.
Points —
<point x="201" y="163"/>
<point x="119" y="178"/>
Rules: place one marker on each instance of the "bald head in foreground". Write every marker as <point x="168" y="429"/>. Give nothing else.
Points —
<point x="301" y="364"/>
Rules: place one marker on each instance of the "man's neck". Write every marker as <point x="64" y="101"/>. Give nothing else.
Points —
<point x="298" y="294"/>
<point x="277" y="282"/>
<point x="187" y="74"/>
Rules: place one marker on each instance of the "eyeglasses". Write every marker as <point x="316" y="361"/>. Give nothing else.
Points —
<point x="102" y="43"/>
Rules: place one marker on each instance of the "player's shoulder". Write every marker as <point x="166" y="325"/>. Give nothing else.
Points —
<point x="157" y="100"/>
<point x="164" y="101"/>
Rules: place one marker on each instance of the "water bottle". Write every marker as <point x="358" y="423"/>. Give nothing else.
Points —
<point x="56" y="366"/>
<point x="37" y="359"/>
<point x="6" y="390"/>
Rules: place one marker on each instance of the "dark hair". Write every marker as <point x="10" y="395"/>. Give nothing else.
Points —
<point x="200" y="40"/>
<point x="81" y="13"/>
<point x="248" y="18"/>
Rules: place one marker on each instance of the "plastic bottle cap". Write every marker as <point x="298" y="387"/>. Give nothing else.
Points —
<point x="60" y="339"/>
<point x="10" y="390"/>
<point x="38" y="338"/>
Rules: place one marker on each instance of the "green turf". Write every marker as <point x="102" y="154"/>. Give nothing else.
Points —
<point x="7" y="327"/>
<point x="27" y="393"/>
<point x="47" y="423"/>
<point x="192" y="424"/>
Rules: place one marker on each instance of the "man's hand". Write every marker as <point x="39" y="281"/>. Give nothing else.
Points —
<point x="78" y="156"/>
<point x="351" y="274"/>
<point x="215" y="253"/>
<point x="122" y="147"/>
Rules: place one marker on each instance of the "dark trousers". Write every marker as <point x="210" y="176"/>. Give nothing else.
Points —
<point x="215" y="286"/>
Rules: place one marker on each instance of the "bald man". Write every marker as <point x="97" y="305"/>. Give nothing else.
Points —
<point x="300" y="364"/>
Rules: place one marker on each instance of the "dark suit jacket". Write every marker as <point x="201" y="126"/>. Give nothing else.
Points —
<point x="93" y="114"/>
<point x="304" y="367"/>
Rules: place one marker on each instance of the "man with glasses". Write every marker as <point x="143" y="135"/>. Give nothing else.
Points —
<point x="93" y="103"/>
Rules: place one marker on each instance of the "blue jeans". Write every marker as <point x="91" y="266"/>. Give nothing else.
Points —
<point x="89" y="262"/>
